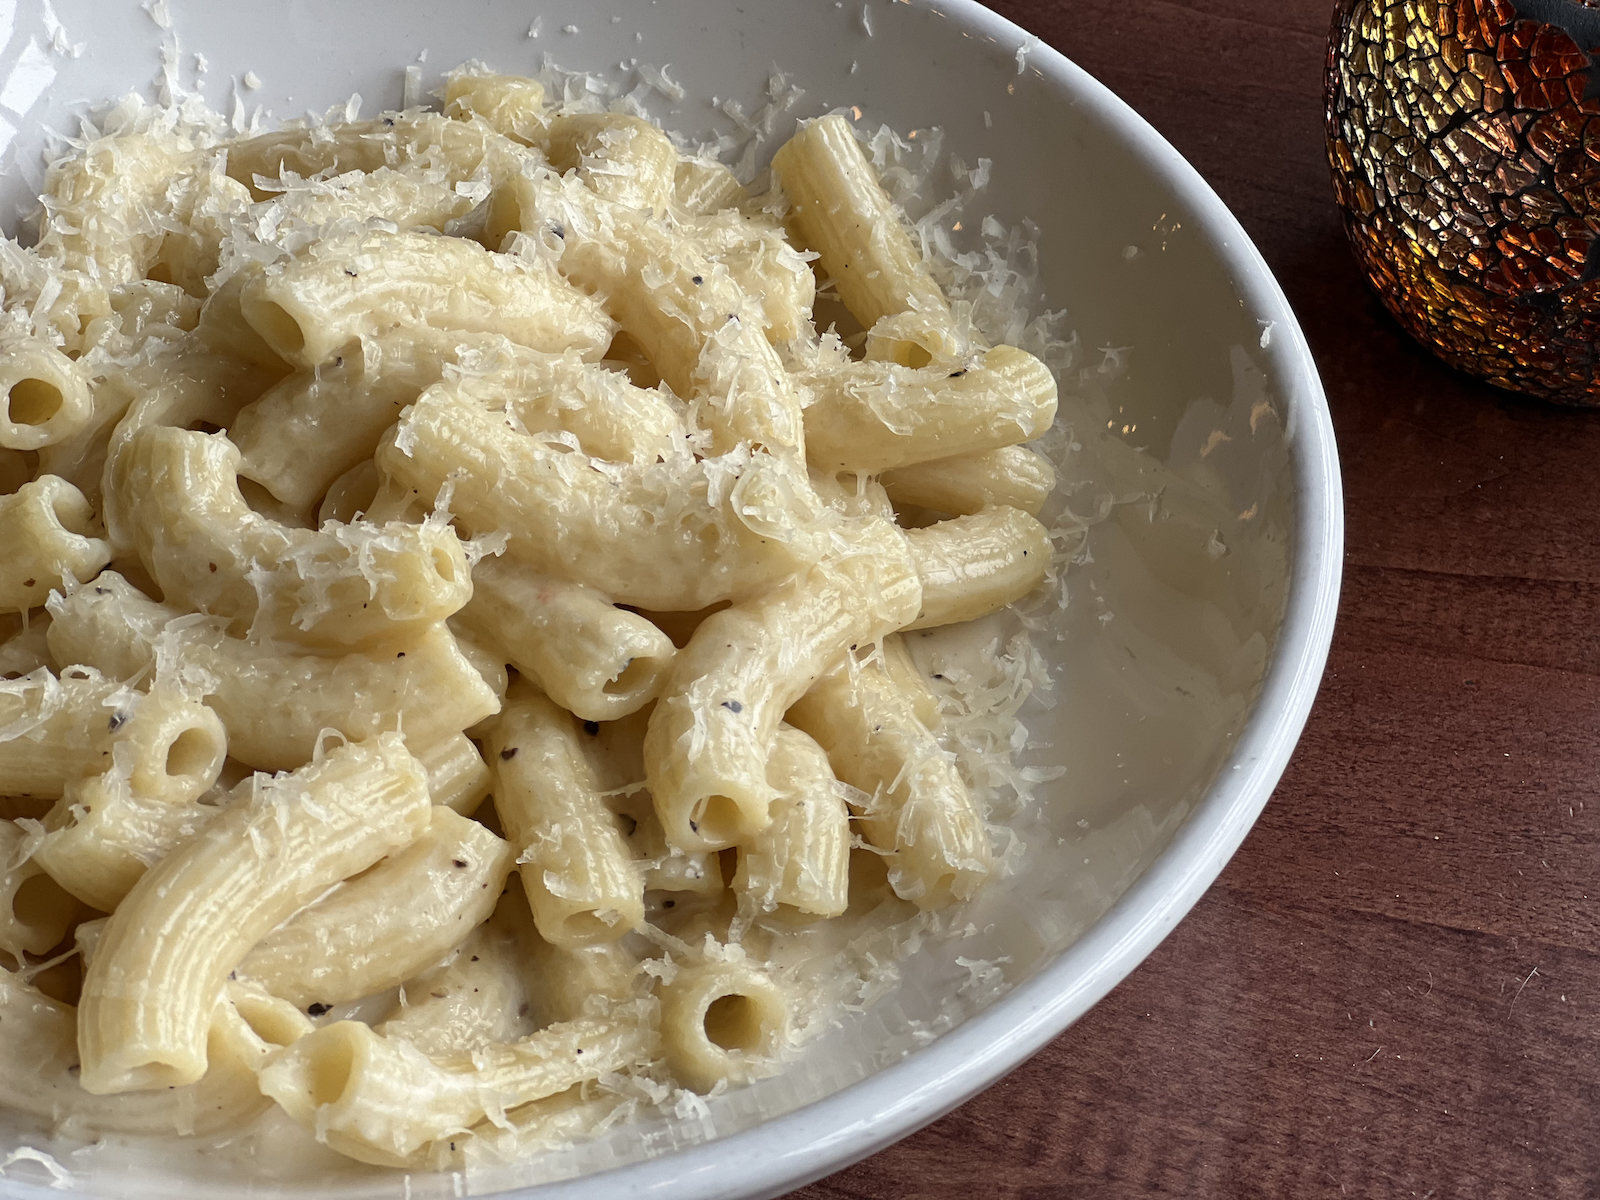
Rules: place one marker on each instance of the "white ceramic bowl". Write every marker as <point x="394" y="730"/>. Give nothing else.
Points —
<point x="1198" y="624"/>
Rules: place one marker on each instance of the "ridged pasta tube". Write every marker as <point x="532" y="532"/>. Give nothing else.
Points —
<point x="801" y="859"/>
<point x="458" y="778"/>
<point x="967" y="483"/>
<point x="601" y="408"/>
<point x="479" y="994"/>
<point x="315" y="425"/>
<point x="380" y="1100"/>
<point x="673" y="536"/>
<point x="921" y="812"/>
<point x="108" y="829"/>
<point x="308" y="308"/>
<point x="57" y="729"/>
<point x="701" y="186"/>
<point x="582" y="883"/>
<point x="39" y="1069"/>
<point x="426" y="142"/>
<point x="625" y="159"/>
<point x="163" y="959"/>
<point x="975" y="565"/>
<point x="44" y="395"/>
<point x="191" y="389"/>
<point x="721" y="1021"/>
<point x="379" y="929"/>
<point x="839" y="209"/>
<point x="344" y="585"/>
<point x="101" y="219"/>
<point x="699" y="330"/>
<point x="35" y="911"/>
<point x="763" y="264"/>
<point x="47" y="543"/>
<point x="870" y="416"/>
<point x="595" y="660"/>
<point x="509" y="104"/>
<point x="706" y="750"/>
<point x="275" y="699"/>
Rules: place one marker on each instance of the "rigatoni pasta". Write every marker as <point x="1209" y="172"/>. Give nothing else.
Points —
<point x="453" y="594"/>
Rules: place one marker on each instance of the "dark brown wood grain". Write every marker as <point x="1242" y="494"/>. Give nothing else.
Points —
<point x="1393" y="989"/>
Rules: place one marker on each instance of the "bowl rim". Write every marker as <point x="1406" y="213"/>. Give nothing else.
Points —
<point x="791" y="1150"/>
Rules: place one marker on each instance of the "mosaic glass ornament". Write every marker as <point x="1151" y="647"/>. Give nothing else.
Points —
<point x="1464" y="137"/>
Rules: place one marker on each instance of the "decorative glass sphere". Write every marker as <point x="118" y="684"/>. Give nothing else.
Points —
<point x="1464" y="137"/>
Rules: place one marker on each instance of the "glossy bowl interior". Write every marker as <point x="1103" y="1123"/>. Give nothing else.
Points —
<point x="1200" y="604"/>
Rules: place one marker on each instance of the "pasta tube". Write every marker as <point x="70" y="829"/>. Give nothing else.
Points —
<point x="163" y="959"/>
<point x="976" y="565"/>
<point x="44" y="395"/>
<point x="479" y="994"/>
<point x="764" y="265"/>
<point x="54" y="730"/>
<point x="274" y="699"/>
<point x="508" y="104"/>
<point x="963" y="484"/>
<point x="379" y="929"/>
<point x="802" y="858"/>
<point x="35" y="911"/>
<point x="704" y="335"/>
<point x="315" y="425"/>
<point x="839" y="209"/>
<point x="706" y="750"/>
<point x="701" y="186"/>
<point x="308" y="308"/>
<point x="679" y="535"/>
<point x="582" y="884"/>
<point x="869" y="416"/>
<point x="458" y="778"/>
<point x="47" y="543"/>
<point x="595" y="660"/>
<point x="352" y="585"/>
<point x="107" y="830"/>
<point x="382" y="1101"/>
<point x="721" y="1021"/>
<point x="425" y="142"/>
<point x="921" y="812"/>
<point x="39" y="1069"/>
<point x="625" y="159"/>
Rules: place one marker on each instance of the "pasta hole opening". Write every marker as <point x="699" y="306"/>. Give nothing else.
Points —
<point x="268" y="1021"/>
<point x="719" y="819"/>
<point x="281" y="331"/>
<point x="41" y="904"/>
<point x="444" y="565"/>
<point x="33" y="402"/>
<point x="191" y="754"/>
<point x="331" y="1068"/>
<point x="586" y="929"/>
<point x="734" y="1023"/>
<point x="71" y="514"/>
<point x="914" y="356"/>
<point x="638" y="674"/>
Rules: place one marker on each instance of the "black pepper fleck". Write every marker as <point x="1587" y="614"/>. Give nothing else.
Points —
<point x="508" y="754"/>
<point x="697" y="279"/>
<point x="460" y="862"/>
<point x="317" y="1009"/>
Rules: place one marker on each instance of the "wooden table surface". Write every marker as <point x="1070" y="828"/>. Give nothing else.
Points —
<point x="1393" y="989"/>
